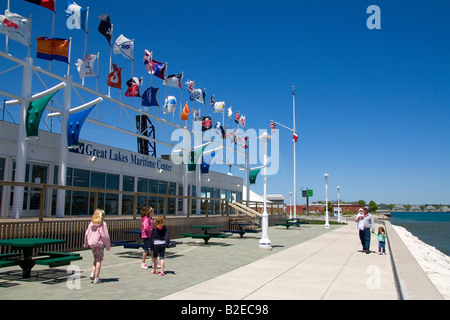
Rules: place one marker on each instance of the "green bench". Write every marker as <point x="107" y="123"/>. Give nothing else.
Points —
<point x="206" y="236"/>
<point x="241" y="232"/>
<point x="7" y="261"/>
<point x="56" y="259"/>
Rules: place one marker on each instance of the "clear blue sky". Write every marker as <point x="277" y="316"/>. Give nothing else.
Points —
<point x="372" y="106"/>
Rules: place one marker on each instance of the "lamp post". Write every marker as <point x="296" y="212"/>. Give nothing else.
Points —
<point x="339" y="208"/>
<point x="265" y="243"/>
<point x="327" y="225"/>
<point x="290" y="205"/>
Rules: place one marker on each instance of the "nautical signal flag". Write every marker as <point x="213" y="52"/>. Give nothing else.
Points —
<point x="133" y="87"/>
<point x="16" y="27"/>
<point x="105" y="27"/>
<point x="114" y="79"/>
<point x="149" y="97"/>
<point x="124" y="46"/>
<point x="53" y="49"/>
<point x="294" y="137"/>
<point x="49" y="4"/>
<point x="185" y="114"/>
<point x="76" y="16"/>
<point x="173" y="80"/>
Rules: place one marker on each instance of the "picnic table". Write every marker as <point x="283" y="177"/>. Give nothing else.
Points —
<point x="27" y="262"/>
<point x="241" y="231"/>
<point x="289" y="222"/>
<point x="131" y="244"/>
<point x="206" y="234"/>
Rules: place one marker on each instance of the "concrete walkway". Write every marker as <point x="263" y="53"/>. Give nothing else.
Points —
<point x="330" y="266"/>
<point x="309" y="262"/>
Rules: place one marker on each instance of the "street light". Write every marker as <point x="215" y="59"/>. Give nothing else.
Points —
<point x="339" y="208"/>
<point x="265" y="243"/>
<point x="290" y="205"/>
<point x="327" y="225"/>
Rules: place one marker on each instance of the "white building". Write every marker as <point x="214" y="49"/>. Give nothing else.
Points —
<point x="104" y="167"/>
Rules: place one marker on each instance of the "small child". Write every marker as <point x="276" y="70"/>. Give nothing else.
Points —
<point x="146" y="230"/>
<point x="97" y="238"/>
<point x="159" y="240"/>
<point x="381" y="240"/>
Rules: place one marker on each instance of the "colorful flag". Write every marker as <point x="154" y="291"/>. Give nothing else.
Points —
<point x="16" y="27"/>
<point x="206" y="162"/>
<point x="219" y="106"/>
<point x="124" y="46"/>
<point x="34" y="114"/>
<point x="294" y="137"/>
<point x="53" y="49"/>
<point x="74" y="124"/>
<point x="220" y="130"/>
<point x="206" y="123"/>
<point x="149" y="97"/>
<point x="242" y="121"/>
<point x="85" y="67"/>
<point x="185" y="114"/>
<point x="105" y="27"/>
<point x="272" y="126"/>
<point x="76" y="16"/>
<point x="253" y="175"/>
<point x="238" y="115"/>
<point x="114" y="79"/>
<point x="190" y="85"/>
<point x="49" y="4"/>
<point x="173" y="80"/>
<point x="156" y="68"/>
<point x="170" y="105"/>
<point x="229" y="112"/>
<point x="133" y="87"/>
<point x="148" y="60"/>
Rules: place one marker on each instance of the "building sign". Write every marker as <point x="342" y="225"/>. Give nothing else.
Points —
<point x="106" y="153"/>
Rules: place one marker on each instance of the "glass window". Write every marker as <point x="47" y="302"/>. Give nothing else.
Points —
<point x="97" y="180"/>
<point x="152" y="186"/>
<point x="127" y="200"/>
<point x="128" y="183"/>
<point x="112" y="181"/>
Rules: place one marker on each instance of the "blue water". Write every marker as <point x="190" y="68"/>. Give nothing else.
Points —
<point x="433" y="228"/>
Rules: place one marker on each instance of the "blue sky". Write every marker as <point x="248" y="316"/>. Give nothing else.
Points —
<point x="372" y="106"/>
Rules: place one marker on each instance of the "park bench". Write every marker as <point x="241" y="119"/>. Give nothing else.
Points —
<point x="7" y="261"/>
<point x="131" y="244"/>
<point x="56" y="259"/>
<point x="206" y="236"/>
<point x="241" y="232"/>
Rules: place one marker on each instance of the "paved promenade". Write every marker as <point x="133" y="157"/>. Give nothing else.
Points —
<point x="309" y="262"/>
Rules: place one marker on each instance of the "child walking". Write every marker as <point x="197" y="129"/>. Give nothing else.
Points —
<point x="97" y="238"/>
<point x="146" y="231"/>
<point x="381" y="240"/>
<point x="159" y="240"/>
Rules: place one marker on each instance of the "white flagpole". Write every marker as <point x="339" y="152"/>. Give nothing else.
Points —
<point x="85" y="38"/>
<point x="98" y="63"/>
<point x="6" y="43"/>
<point x="53" y="33"/>
<point x="295" y="165"/>
<point x="29" y="44"/>
<point x="70" y="49"/>
<point x="86" y="32"/>
<point x="110" y="63"/>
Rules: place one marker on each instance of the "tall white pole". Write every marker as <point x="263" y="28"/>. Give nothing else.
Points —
<point x="62" y="169"/>
<point x="21" y="159"/>
<point x="295" y="163"/>
<point x="265" y="243"/>
<point x="327" y="224"/>
<point x="339" y="208"/>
